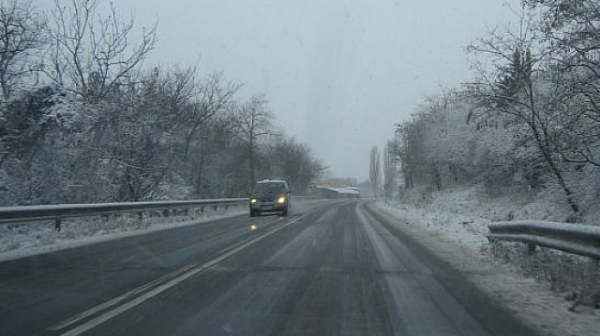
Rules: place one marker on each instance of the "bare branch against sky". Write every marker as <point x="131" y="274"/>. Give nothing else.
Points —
<point x="338" y="74"/>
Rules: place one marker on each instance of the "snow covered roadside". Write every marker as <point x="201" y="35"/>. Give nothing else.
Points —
<point x="22" y="240"/>
<point x="460" y="240"/>
<point x="466" y="231"/>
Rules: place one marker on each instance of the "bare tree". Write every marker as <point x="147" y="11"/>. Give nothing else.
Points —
<point x="212" y="97"/>
<point x="375" y="171"/>
<point x="573" y="30"/>
<point x="515" y="91"/>
<point x="402" y="142"/>
<point x="389" y="169"/>
<point x="295" y="162"/>
<point x="410" y="150"/>
<point x="254" y="122"/>
<point x="91" y="54"/>
<point x="21" y="35"/>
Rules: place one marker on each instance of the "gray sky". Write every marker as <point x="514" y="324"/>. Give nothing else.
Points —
<point x="338" y="74"/>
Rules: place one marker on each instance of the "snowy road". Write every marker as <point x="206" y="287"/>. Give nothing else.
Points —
<point x="336" y="269"/>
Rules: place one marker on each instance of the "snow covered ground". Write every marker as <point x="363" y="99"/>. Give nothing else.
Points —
<point x="20" y="240"/>
<point x="454" y="223"/>
<point x="26" y="239"/>
<point x="467" y="231"/>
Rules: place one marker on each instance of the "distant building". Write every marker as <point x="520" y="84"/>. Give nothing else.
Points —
<point x="318" y="191"/>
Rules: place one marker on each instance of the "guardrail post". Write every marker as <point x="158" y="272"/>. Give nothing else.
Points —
<point x="58" y="224"/>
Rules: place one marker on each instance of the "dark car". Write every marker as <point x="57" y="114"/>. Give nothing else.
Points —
<point x="270" y="196"/>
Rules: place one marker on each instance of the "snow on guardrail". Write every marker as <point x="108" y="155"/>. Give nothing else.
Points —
<point x="56" y="212"/>
<point x="29" y="230"/>
<point x="577" y="239"/>
<point x="50" y="212"/>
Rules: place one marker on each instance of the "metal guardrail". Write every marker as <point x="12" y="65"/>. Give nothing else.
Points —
<point x="583" y="240"/>
<point x="58" y="212"/>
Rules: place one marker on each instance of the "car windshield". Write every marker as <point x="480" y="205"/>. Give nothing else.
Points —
<point x="269" y="188"/>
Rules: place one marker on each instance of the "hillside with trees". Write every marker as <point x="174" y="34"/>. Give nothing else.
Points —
<point x="528" y="122"/>
<point x="82" y="120"/>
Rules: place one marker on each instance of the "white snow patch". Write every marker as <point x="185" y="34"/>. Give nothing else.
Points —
<point x="454" y="225"/>
<point x="468" y="231"/>
<point x="27" y="239"/>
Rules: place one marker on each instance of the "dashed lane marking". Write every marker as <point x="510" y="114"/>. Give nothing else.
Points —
<point x="130" y="299"/>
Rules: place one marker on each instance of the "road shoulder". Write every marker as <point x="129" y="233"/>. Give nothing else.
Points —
<point x="535" y="305"/>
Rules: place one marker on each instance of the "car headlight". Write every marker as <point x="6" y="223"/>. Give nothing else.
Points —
<point x="281" y="200"/>
<point x="253" y="201"/>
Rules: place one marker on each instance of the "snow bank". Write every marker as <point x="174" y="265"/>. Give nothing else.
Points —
<point x="476" y="201"/>
<point x="453" y="223"/>
<point x="26" y="239"/>
<point x="468" y="231"/>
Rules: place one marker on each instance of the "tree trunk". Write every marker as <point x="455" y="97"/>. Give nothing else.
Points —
<point x="561" y="181"/>
<point x="251" y="161"/>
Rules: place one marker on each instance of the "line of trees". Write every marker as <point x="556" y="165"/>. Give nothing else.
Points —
<point x="389" y="169"/>
<point x="529" y="119"/>
<point x="82" y="121"/>
<point x="374" y="171"/>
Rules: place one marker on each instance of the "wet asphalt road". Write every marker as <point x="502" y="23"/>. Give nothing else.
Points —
<point x="333" y="269"/>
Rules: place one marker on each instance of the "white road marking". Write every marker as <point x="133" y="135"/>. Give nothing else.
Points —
<point x="182" y="274"/>
<point x="130" y="294"/>
<point x="119" y="299"/>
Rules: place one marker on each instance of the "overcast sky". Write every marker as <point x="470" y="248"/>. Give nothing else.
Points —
<point x="338" y="74"/>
